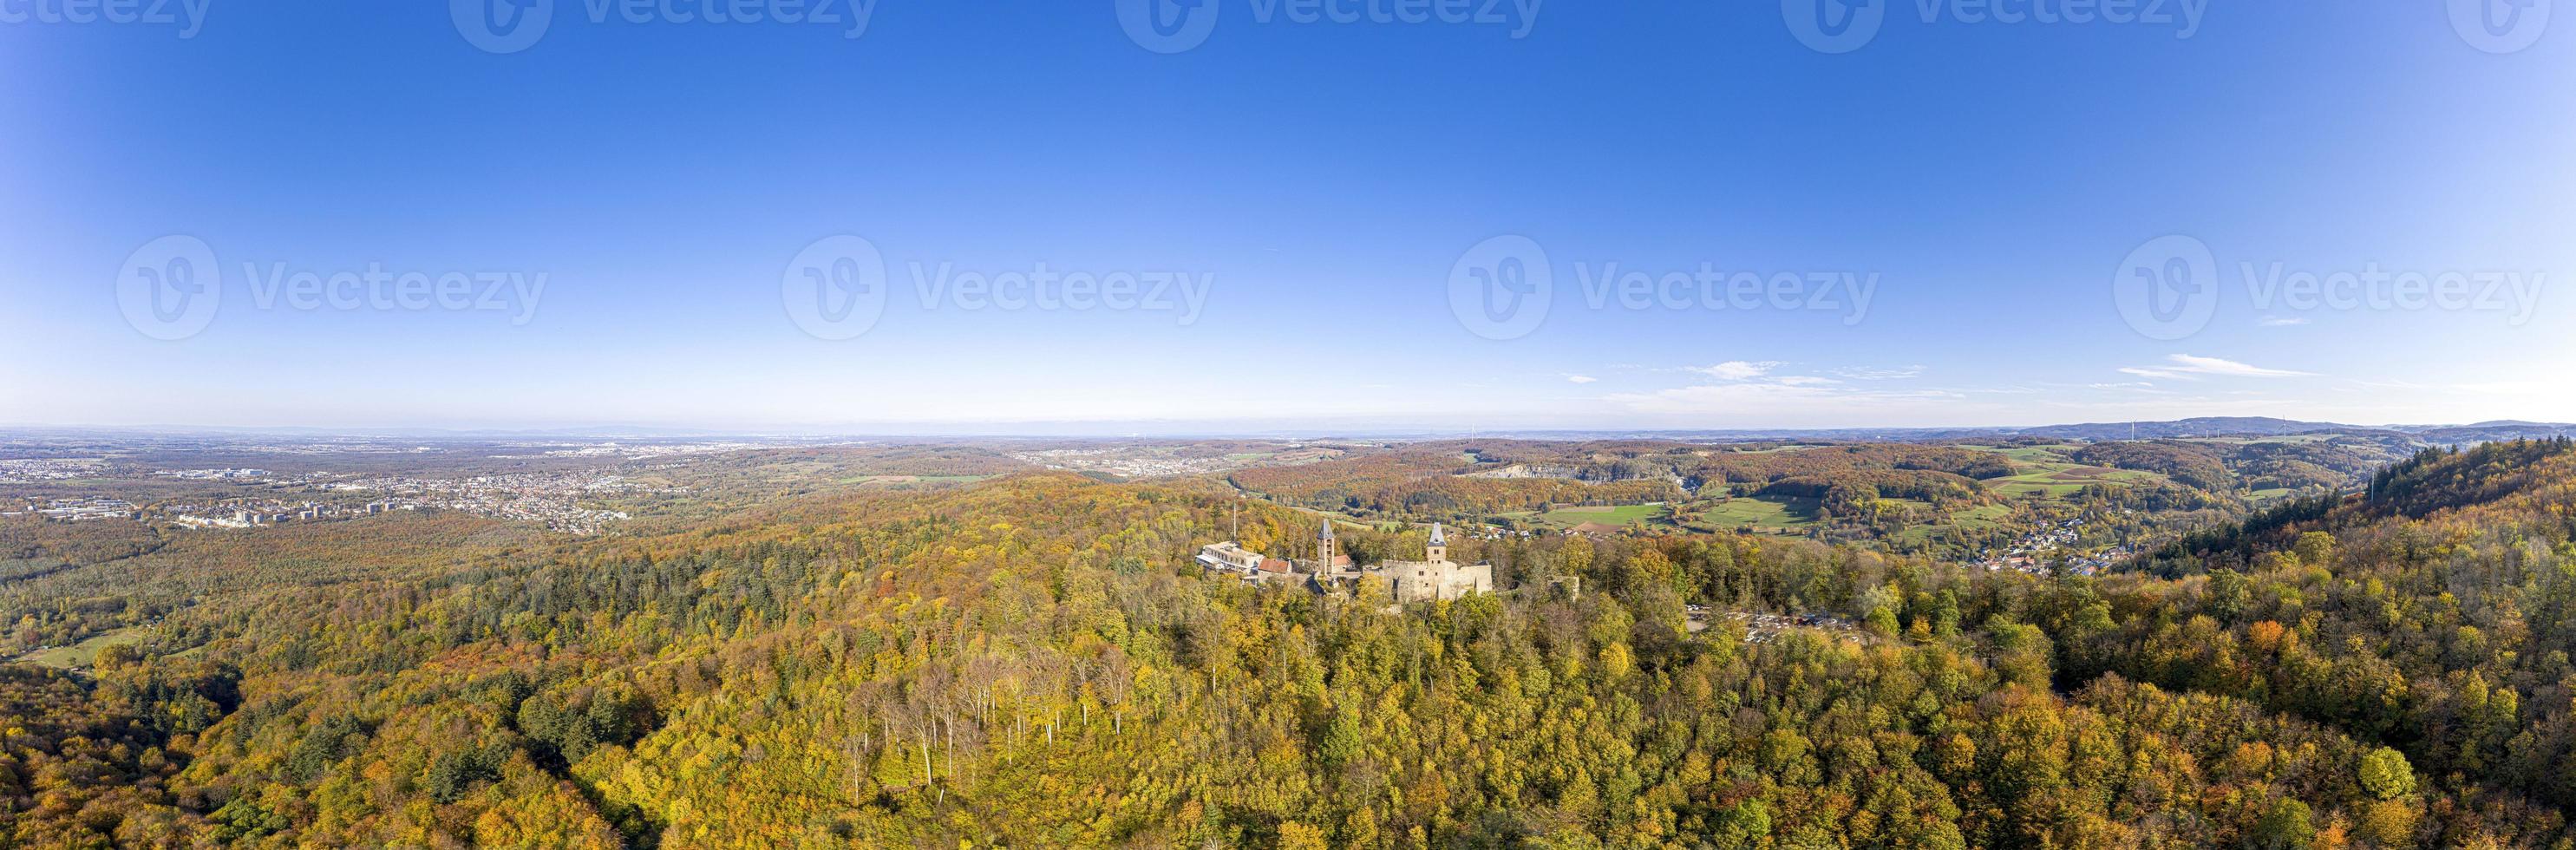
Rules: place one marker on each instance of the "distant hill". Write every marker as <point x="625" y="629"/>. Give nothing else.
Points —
<point x="2485" y="432"/>
<point x="2216" y="426"/>
<point x="2212" y="426"/>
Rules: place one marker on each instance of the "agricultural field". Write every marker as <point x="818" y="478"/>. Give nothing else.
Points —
<point x="84" y="653"/>
<point x="1762" y="513"/>
<point x="1979" y="518"/>
<point x="1615" y="515"/>
<point x="2046" y="472"/>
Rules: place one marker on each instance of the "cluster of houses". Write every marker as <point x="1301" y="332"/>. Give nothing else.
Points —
<point x="2037" y="553"/>
<point x="78" y="510"/>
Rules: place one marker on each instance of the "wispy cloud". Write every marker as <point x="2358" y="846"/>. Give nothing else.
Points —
<point x="2284" y="321"/>
<point x="1738" y="370"/>
<point x="2230" y="368"/>
<point x="2185" y="367"/>
<point x="1582" y="379"/>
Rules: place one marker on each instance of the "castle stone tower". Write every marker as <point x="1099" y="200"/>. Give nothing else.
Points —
<point x="1439" y="549"/>
<point x="1325" y="548"/>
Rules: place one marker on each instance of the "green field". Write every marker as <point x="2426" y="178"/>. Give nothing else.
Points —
<point x="84" y="653"/>
<point x="1979" y="518"/>
<point x="2046" y="471"/>
<point x="1984" y="516"/>
<point x="1762" y="512"/>
<point x="1619" y="515"/>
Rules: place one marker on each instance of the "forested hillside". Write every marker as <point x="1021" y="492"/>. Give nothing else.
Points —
<point x="1031" y="661"/>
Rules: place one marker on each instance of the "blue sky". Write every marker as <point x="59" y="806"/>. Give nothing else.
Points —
<point x="627" y="204"/>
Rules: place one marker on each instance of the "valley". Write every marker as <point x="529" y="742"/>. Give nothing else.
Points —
<point x="897" y="638"/>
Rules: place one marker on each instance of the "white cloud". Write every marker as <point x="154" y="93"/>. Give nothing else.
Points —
<point x="1582" y="379"/>
<point x="2184" y="367"/>
<point x="2283" y="321"/>
<point x="1738" y="370"/>
<point x="2230" y="368"/>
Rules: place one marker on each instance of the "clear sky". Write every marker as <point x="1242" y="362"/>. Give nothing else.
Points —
<point x="629" y="207"/>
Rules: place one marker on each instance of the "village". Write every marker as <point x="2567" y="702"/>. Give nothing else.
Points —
<point x="75" y="510"/>
<point x="33" y="470"/>
<point x="555" y="501"/>
<point x="258" y="513"/>
<point x="2042" y="551"/>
